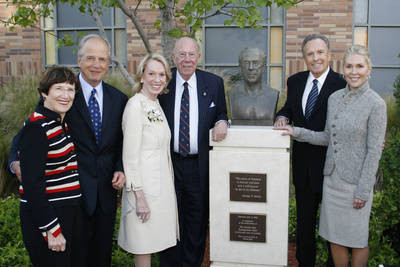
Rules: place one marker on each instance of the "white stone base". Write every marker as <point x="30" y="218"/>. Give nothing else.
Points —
<point x="250" y="149"/>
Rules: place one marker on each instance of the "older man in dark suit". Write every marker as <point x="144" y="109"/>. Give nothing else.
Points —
<point x="194" y="105"/>
<point x="95" y="124"/>
<point x="306" y="106"/>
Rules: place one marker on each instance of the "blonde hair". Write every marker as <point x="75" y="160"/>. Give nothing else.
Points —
<point x="142" y="66"/>
<point x="358" y="50"/>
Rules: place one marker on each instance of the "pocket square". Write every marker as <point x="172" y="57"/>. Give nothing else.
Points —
<point x="212" y="105"/>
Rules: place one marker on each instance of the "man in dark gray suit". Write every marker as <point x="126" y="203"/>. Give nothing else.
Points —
<point x="308" y="160"/>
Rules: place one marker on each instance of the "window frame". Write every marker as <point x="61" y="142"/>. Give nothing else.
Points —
<point x="55" y="29"/>
<point x="369" y="26"/>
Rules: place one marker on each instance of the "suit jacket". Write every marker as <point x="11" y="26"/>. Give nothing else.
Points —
<point x="308" y="160"/>
<point x="212" y="108"/>
<point x="354" y="132"/>
<point x="97" y="164"/>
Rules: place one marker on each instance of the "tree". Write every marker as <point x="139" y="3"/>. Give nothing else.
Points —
<point x="177" y="18"/>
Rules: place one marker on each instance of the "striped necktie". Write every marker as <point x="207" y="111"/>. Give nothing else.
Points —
<point x="94" y="111"/>
<point x="184" y="133"/>
<point x="312" y="98"/>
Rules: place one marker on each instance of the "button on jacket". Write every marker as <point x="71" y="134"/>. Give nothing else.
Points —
<point x="354" y="132"/>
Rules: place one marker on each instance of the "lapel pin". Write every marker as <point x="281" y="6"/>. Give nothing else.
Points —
<point x="204" y="93"/>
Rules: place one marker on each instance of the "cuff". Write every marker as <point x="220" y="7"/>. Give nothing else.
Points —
<point x="10" y="167"/>
<point x="278" y="117"/>
<point x="227" y="122"/>
<point x="55" y="231"/>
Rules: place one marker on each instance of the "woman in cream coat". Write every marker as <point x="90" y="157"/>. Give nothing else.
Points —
<point x="354" y="134"/>
<point x="149" y="220"/>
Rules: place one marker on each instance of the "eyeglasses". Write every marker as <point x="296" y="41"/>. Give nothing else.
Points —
<point x="191" y="55"/>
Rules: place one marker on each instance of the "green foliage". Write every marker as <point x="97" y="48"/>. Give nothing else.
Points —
<point x="12" y="249"/>
<point x="397" y="91"/>
<point x="242" y="13"/>
<point x="385" y="216"/>
<point x="18" y="100"/>
<point x="292" y="219"/>
<point x="393" y="116"/>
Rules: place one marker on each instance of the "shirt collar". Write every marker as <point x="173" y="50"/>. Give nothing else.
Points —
<point x="87" y="88"/>
<point x="356" y="91"/>
<point x="321" y="79"/>
<point x="192" y="80"/>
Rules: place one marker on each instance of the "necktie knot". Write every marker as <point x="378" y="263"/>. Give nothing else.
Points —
<point x="93" y="93"/>
<point x="185" y="85"/>
<point x="315" y="82"/>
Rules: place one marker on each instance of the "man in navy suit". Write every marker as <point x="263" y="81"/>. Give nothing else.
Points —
<point x="207" y="110"/>
<point x="308" y="160"/>
<point x="99" y="159"/>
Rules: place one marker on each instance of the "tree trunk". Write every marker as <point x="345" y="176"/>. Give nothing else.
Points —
<point x="167" y="23"/>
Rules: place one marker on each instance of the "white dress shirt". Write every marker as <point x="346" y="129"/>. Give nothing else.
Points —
<point x="321" y="79"/>
<point x="87" y="90"/>
<point x="193" y="112"/>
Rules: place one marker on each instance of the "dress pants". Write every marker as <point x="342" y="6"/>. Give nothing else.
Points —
<point x="71" y="222"/>
<point x="193" y="216"/>
<point x="99" y="228"/>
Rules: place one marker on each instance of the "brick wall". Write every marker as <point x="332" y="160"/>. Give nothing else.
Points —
<point x="20" y="50"/>
<point x="135" y="47"/>
<point x="331" y="18"/>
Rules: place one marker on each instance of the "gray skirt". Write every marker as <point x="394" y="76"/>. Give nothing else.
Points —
<point x="339" y="222"/>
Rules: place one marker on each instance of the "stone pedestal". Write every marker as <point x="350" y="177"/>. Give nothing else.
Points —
<point x="249" y="195"/>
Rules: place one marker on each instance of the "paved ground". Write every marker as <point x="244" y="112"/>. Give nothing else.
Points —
<point x="292" y="262"/>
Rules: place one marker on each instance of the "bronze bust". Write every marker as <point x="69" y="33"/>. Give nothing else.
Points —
<point x="251" y="101"/>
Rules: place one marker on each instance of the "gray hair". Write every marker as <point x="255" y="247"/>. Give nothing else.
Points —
<point x="86" y="38"/>
<point x="185" y="38"/>
<point x="314" y="36"/>
<point x="358" y="50"/>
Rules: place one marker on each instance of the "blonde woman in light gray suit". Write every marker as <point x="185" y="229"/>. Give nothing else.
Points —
<point x="354" y="134"/>
<point x="149" y="220"/>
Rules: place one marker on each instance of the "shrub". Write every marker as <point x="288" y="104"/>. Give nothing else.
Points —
<point x="12" y="248"/>
<point x="18" y="100"/>
<point x="385" y="216"/>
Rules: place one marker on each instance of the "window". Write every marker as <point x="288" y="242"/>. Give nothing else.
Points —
<point x="376" y="24"/>
<point x="69" y="20"/>
<point x="223" y="44"/>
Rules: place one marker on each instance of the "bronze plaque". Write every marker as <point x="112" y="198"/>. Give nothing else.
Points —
<point x="248" y="227"/>
<point x="251" y="187"/>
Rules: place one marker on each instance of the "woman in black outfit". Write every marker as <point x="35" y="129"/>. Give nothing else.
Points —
<point x="51" y="219"/>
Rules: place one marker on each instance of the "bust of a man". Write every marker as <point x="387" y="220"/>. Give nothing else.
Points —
<point x="252" y="102"/>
